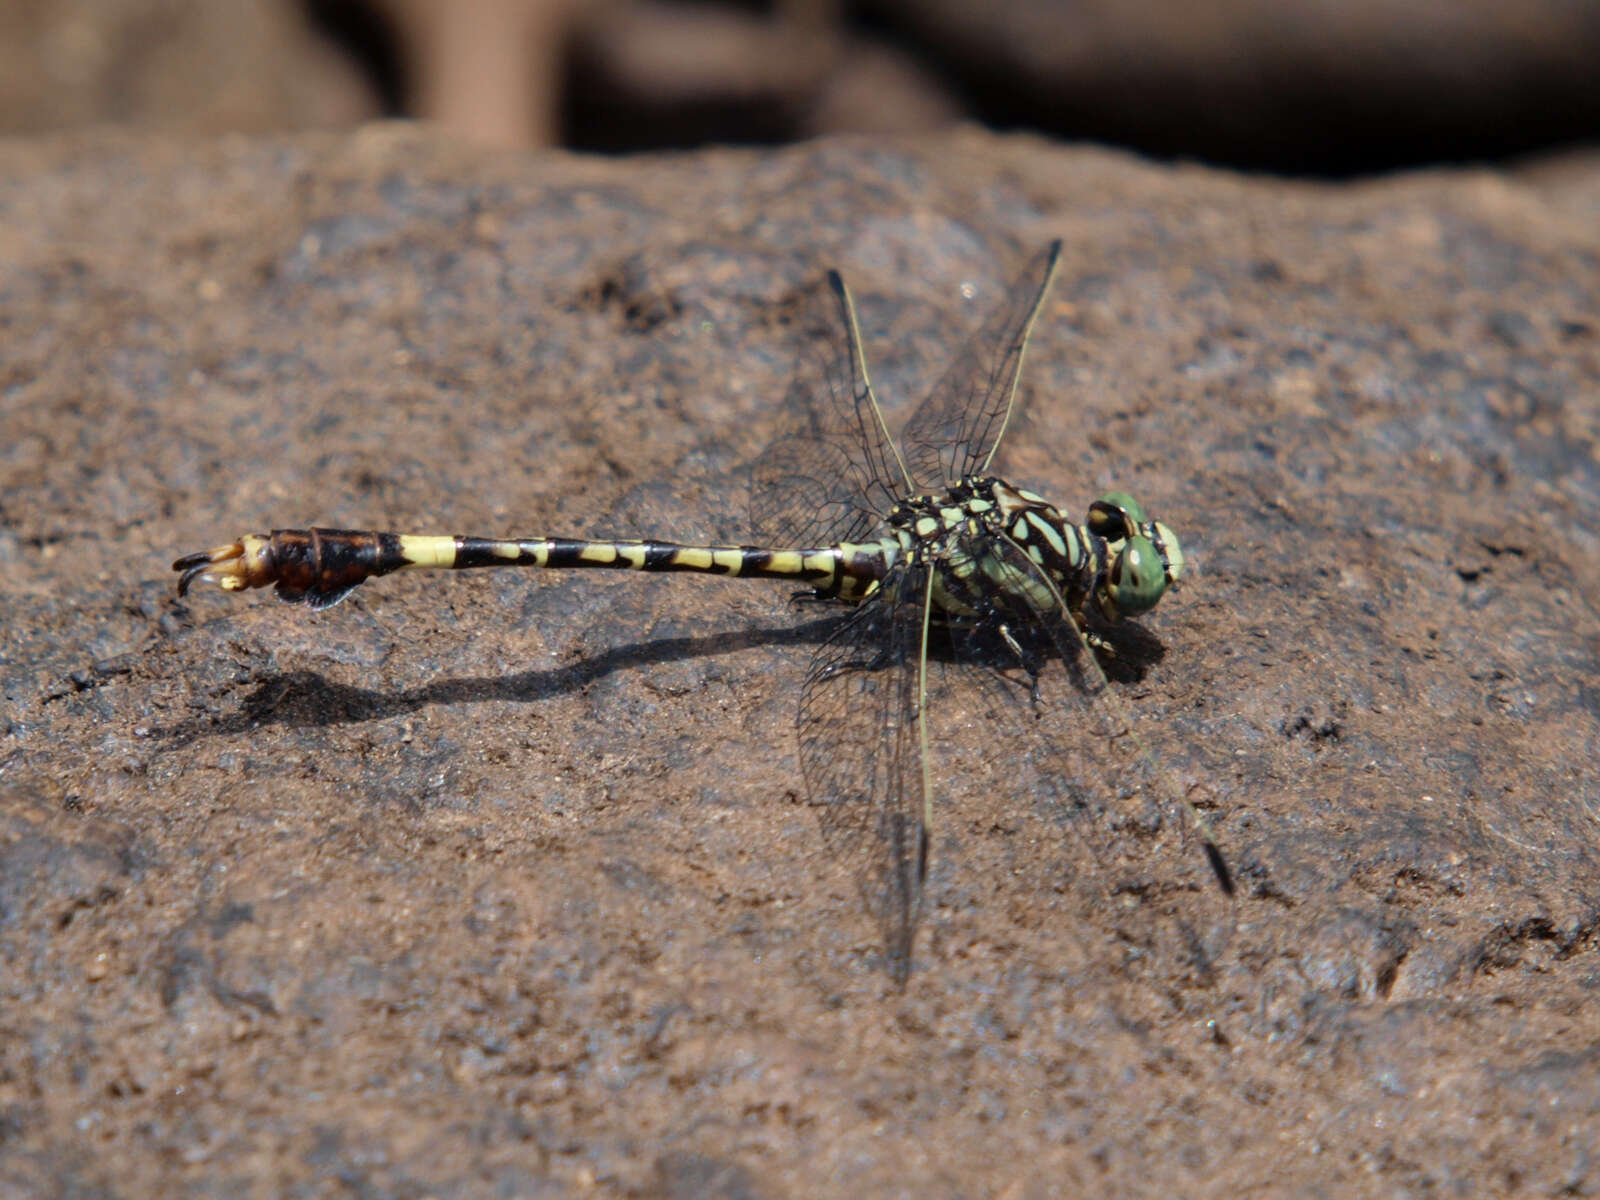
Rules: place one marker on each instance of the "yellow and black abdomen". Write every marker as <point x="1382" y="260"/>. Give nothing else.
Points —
<point x="319" y="567"/>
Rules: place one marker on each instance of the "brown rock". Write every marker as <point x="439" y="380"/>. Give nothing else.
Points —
<point x="505" y="883"/>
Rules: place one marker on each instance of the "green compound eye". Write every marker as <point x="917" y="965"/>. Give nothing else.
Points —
<point x="1137" y="578"/>
<point x="1115" y="515"/>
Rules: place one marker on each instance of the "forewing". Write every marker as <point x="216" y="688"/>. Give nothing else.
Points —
<point x="1095" y="830"/>
<point x="861" y="755"/>
<point x="954" y="432"/>
<point x="832" y="472"/>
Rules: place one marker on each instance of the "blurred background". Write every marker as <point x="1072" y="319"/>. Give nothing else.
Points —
<point x="1314" y="87"/>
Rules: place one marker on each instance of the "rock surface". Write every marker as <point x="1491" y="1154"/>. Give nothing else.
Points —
<point x="503" y="884"/>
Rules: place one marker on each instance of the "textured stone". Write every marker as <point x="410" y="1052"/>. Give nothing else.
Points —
<point x="501" y="883"/>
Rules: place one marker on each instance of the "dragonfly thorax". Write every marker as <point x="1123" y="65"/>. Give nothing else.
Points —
<point x="974" y="537"/>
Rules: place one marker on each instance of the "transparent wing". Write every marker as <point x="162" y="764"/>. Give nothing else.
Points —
<point x="954" y="432"/>
<point x="832" y="473"/>
<point x="861" y="755"/>
<point x="1099" y="834"/>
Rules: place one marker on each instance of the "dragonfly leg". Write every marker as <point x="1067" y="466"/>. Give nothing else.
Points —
<point x="1093" y="640"/>
<point x="1027" y="660"/>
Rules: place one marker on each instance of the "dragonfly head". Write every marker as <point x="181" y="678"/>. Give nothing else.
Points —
<point x="1143" y="557"/>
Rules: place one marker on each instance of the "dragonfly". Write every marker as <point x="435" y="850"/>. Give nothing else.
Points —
<point x="944" y="571"/>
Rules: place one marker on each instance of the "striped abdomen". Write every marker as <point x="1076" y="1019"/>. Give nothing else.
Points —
<point x="319" y="567"/>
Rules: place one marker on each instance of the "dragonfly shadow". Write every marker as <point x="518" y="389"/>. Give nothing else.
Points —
<point x="1133" y="650"/>
<point x="308" y="699"/>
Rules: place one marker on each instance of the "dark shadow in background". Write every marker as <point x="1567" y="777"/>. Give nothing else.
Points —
<point x="1307" y="111"/>
<point x="371" y="42"/>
